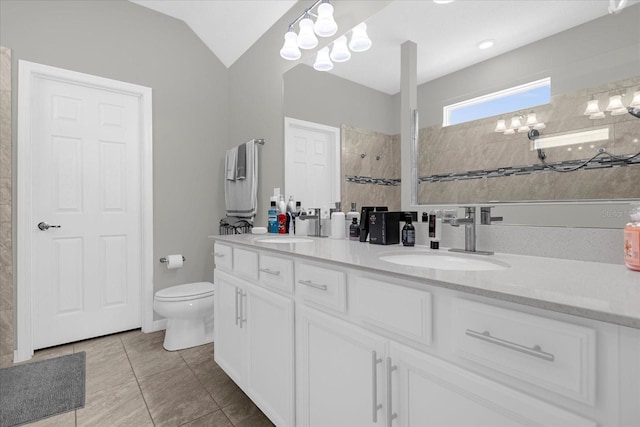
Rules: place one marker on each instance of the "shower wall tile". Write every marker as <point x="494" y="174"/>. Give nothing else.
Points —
<point x="5" y="69"/>
<point x="474" y="146"/>
<point x="6" y="288"/>
<point x="6" y="332"/>
<point x="6" y="244"/>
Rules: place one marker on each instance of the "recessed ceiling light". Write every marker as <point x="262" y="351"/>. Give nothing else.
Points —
<point x="486" y="44"/>
<point x="443" y="1"/>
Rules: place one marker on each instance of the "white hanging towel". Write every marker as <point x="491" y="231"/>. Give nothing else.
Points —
<point x="230" y="161"/>
<point x="241" y="196"/>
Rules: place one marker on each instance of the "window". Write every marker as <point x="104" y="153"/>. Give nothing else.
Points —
<point x="505" y="101"/>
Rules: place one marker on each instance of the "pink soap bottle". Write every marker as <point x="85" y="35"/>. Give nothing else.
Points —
<point x="632" y="240"/>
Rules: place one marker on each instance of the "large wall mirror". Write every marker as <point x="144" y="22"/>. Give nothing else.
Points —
<point x="471" y="163"/>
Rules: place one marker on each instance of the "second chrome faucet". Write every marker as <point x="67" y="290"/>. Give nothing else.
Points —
<point x="469" y="222"/>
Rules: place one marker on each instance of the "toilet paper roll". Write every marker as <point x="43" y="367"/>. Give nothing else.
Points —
<point x="174" y="261"/>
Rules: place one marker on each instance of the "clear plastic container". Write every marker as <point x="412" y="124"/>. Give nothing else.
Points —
<point x="632" y="239"/>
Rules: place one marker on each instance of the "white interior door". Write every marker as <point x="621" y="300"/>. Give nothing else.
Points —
<point x="87" y="267"/>
<point x="312" y="163"/>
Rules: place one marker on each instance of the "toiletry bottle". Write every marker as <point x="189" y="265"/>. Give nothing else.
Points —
<point x="348" y="220"/>
<point x="632" y="240"/>
<point x="282" y="223"/>
<point x="291" y="205"/>
<point x="282" y="206"/>
<point x="408" y="233"/>
<point x="434" y="230"/>
<point x="273" y="218"/>
<point x="354" y="230"/>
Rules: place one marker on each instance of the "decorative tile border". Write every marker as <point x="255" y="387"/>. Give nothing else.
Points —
<point x="531" y="169"/>
<point x="368" y="180"/>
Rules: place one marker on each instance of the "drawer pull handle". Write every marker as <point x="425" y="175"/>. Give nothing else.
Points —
<point x="313" y="285"/>
<point x="218" y="254"/>
<point x="534" y="351"/>
<point x="272" y="272"/>
<point x="390" y="414"/>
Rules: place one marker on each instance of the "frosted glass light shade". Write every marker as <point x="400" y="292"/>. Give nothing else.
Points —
<point x="340" y="51"/>
<point x="531" y="119"/>
<point x="290" y="49"/>
<point x="615" y="103"/>
<point x="509" y="132"/>
<point x="325" y="25"/>
<point x="306" y="38"/>
<point x="515" y="123"/>
<point x="359" y="39"/>
<point x="619" y="111"/>
<point x="539" y="126"/>
<point x="323" y="62"/>
<point x="523" y="129"/>
<point x="500" y="126"/>
<point x="635" y="102"/>
<point x="592" y="107"/>
<point x="598" y="115"/>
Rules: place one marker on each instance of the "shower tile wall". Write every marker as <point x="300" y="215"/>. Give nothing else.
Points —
<point x="474" y="146"/>
<point x="369" y="154"/>
<point x="6" y="257"/>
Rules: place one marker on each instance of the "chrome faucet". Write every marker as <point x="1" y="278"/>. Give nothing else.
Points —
<point x="485" y="216"/>
<point x="318" y="228"/>
<point x="469" y="222"/>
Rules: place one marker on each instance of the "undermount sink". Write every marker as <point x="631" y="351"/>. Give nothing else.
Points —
<point x="284" y="240"/>
<point x="444" y="261"/>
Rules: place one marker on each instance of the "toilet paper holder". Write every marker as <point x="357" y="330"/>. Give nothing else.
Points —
<point x="164" y="259"/>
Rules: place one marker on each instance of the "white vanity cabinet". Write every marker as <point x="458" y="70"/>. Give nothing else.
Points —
<point x="339" y="372"/>
<point x="254" y="338"/>
<point x="368" y="348"/>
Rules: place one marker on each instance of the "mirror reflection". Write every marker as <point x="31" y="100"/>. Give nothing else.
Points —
<point x="470" y="162"/>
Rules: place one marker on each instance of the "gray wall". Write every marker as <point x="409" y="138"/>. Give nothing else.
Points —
<point x="330" y="100"/>
<point x="120" y="40"/>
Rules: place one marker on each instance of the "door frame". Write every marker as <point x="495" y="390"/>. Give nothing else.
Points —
<point x="27" y="73"/>
<point x="333" y="132"/>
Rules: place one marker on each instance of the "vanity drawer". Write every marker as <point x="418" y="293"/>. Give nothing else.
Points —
<point x="223" y="256"/>
<point x="276" y="273"/>
<point x="321" y="286"/>
<point x="551" y="354"/>
<point x="397" y="310"/>
<point x="245" y="263"/>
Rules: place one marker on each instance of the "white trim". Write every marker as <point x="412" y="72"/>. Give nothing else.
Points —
<point x="571" y="138"/>
<point x="447" y="110"/>
<point x="27" y="71"/>
<point x="333" y="132"/>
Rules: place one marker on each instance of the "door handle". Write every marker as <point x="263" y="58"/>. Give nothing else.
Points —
<point x="390" y="414"/>
<point x="44" y="226"/>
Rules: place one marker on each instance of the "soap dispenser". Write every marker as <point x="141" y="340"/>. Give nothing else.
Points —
<point x="408" y="233"/>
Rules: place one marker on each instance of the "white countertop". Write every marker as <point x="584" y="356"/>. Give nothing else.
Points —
<point x="599" y="291"/>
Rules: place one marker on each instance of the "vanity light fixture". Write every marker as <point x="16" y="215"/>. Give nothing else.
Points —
<point x="615" y="106"/>
<point x="530" y="122"/>
<point x="325" y="26"/>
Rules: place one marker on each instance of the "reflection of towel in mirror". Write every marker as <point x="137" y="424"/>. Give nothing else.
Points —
<point x="230" y="162"/>
<point x="241" y="161"/>
<point x="241" y="195"/>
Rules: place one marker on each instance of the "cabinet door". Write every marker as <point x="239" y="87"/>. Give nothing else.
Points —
<point x="339" y="382"/>
<point x="269" y="380"/>
<point x="229" y="329"/>
<point x="431" y="392"/>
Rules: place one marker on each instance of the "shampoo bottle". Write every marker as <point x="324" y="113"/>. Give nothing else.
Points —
<point x="632" y="240"/>
<point x="354" y="230"/>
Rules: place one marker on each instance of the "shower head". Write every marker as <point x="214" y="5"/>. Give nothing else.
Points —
<point x="635" y="112"/>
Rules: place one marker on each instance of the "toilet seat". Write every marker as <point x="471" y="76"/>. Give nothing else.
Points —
<point x="186" y="292"/>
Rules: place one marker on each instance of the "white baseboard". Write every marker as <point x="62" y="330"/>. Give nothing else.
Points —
<point x="159" y="325"/>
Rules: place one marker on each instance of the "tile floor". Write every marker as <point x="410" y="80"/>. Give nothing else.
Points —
<point x="132" y="381"/>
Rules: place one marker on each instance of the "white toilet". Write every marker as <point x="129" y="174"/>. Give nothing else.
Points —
<point x="189" y="312"/>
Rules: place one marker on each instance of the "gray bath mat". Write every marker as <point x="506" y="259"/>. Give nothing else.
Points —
<point x="41" y="389"/>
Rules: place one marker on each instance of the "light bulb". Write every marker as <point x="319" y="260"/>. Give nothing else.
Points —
<point x="501" y="126"/>
<point x="340" y="52"/>
<point x="592" y="107"/>
<point x="325" y="25"/>
<point x="323" y="63"/>
<point x="359" y="39"/>
<point x="615" y="103"/>
<point x="306" y="38"/>
<point x="635" y="102"/>
<point x="290" y="49"/>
